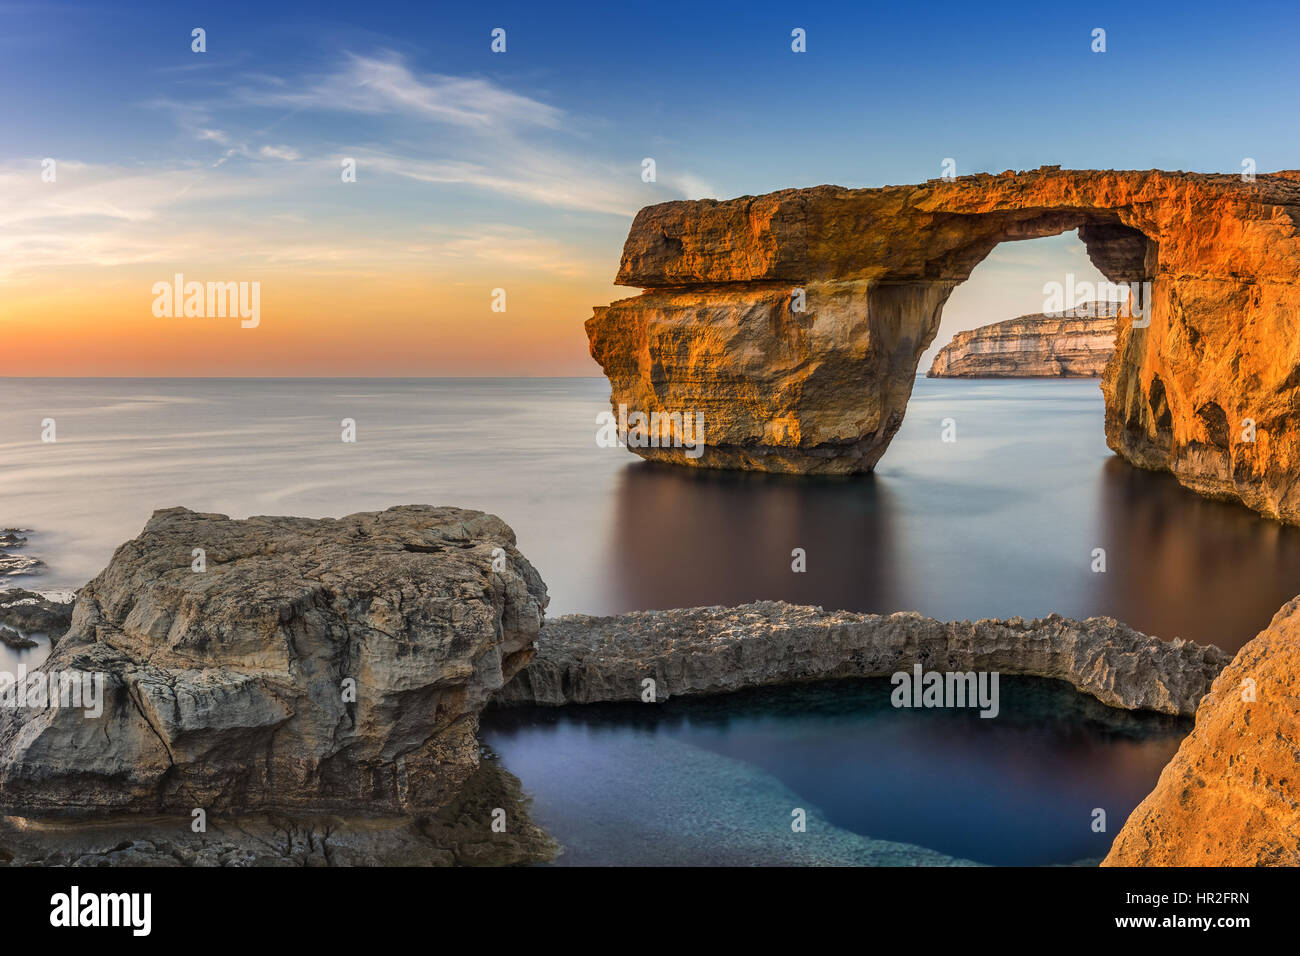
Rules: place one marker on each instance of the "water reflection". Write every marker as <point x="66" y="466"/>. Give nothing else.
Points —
<point x="1000" y="523"/>
<point x="697" y="538"/>
<point x="1180" y="565"/>
<point x="1003" y="524"/>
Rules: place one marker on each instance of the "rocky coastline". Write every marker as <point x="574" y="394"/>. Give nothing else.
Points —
<point x="312" y="690"/>
<point x="281" y="663"/>
<point x="452" y="836"/>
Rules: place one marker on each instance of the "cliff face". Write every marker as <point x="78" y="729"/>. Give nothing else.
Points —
<point x="1030" y="346"/>
<point x="714" y="650"/>
<point x="793" y="322"/>
<point x="1230" y="796"/>
<point x="323" y="665"/>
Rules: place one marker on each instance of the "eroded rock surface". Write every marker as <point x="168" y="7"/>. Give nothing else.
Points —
<point x="1032" y="346"/>
<point x="715" y="650"/>
<point x="225" y="689"/>
<point x="1231" y="795"/>
<point x="718" y="331"/>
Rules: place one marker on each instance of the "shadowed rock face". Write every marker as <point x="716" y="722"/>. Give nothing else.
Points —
<point x="1230" y="796"/>
<point x="824" y="390"/>
<point x="716" y="650"/>
<point x="224" y="690"/>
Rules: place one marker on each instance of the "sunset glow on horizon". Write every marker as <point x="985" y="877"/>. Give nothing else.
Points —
<point x="130" y="157"/>
<point x="398" y="325"/>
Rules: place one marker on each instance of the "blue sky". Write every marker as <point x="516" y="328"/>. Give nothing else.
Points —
<point x="530" y="159"/>
<point x="881" y="92"/>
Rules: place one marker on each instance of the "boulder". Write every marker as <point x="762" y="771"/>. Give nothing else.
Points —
<point x="280" y="664"/>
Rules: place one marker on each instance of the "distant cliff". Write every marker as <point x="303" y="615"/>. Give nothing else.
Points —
<point x="1031" y="346"/>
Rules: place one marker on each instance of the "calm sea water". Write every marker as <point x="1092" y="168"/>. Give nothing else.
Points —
<point x="715" y="780"/>
<point x="1002" y="522"/>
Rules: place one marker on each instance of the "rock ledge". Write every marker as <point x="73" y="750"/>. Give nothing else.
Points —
<point x="717" y="650"/>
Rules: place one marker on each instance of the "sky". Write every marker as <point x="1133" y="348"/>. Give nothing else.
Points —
<point x="521" y="170"/>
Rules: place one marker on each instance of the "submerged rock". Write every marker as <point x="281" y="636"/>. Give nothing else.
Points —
<point x="280" y="664"/>
<point x="11" y="564"/>
<point x="1231" y="795"/>
<point x="25" y="612"/>
<point x="1042" y="346"/>
<point x="715" y="650"/>
<point x="15" y="639"/>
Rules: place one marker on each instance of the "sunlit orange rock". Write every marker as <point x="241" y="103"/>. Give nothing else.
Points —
<point x="1230" y="796"/>
<point x="1203" y="385"/>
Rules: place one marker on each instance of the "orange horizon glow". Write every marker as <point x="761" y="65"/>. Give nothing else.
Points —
<point x="393" y="325"/>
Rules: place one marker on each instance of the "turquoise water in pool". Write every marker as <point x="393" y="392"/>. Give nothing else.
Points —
<point x="716" y="780"/>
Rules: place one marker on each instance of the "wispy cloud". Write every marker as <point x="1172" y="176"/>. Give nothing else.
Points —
<point x="385" y="84"/>
<point x="110" y="217"/>
<point x="499" y="148"/>
<point x="510" y="247"/>
<point x="103" y="215"/>
<point x="86" y="191"/>
<point x="285" y="153"/>
<point x="270" y="206"/>
<point x="534" y="175"/>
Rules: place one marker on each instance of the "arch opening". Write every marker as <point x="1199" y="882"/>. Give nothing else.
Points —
<point x="821" y="389"/>
<point x="1040" y="307"/>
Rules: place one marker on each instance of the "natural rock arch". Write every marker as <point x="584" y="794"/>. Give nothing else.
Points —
<point x="1209" y="391"/>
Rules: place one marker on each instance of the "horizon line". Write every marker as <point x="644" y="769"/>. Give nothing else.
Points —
<point x="178" y="378"/>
